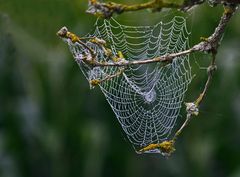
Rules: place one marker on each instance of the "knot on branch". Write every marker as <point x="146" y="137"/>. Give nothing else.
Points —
<point x="209" y="45"/>
<point x="192" y="108"/>
<point x="211" y="69"/>
<point x="104" y="10"/>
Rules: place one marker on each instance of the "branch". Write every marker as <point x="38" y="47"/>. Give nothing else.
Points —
<point x="208" y="45"/>
<point x="106" y="10"/>
<point x="193" y="107"/>
<point x="211" y="46"/>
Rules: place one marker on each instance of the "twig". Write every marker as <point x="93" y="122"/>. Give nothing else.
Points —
<point x="179" y="131"/>
<point x="212" y="67"/>
<point x="193" y="108"/>
<point x="96" y="82"/>
<point x="211" y="46"/>
<point x="164" y="58"/>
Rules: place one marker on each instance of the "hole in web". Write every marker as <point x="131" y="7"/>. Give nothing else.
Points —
<point x="150" y="96"/>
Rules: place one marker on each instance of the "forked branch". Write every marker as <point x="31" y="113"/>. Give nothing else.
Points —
<point x="211" y="47"/>
<point x="207" y="45"/>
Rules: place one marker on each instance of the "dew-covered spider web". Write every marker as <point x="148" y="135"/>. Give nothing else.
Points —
<point x="147" y="98"/>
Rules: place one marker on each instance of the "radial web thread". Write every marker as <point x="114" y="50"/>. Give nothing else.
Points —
<point x="146" y="99"/>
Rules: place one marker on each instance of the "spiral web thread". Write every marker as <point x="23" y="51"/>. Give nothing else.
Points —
<point x="146" y="99"/>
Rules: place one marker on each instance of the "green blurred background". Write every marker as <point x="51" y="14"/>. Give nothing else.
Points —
<point x="53" y="125"/>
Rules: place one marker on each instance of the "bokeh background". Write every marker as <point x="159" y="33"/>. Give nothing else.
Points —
<point x="53" y="125"/>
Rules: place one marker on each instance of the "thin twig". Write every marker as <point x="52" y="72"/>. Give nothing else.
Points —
<point x="164" y="58"/>
<point x="212" y="67"/>
<point x="193" y="108"/>
<point x="179" y="131"/>
<point x="96" y="82"/>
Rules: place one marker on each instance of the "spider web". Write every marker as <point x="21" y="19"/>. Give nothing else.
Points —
<point x="146" y="99"/>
